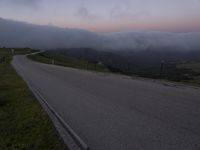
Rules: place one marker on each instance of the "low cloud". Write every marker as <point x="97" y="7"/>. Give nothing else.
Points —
<point x="29" y="3"/>
<point x="20" y="34"/>
<point x="85" y="14"/>
<point x="122" y="13"/>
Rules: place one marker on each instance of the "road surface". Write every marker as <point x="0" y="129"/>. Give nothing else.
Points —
<point x="113" y="112"/>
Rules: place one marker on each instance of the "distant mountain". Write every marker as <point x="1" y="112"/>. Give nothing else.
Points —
<point x="21" y="34"/>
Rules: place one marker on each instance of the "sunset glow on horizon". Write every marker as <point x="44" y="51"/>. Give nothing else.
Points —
<point x="107" y="16"/>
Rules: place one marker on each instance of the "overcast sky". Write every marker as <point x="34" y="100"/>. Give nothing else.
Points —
<point x="107" y="15"/>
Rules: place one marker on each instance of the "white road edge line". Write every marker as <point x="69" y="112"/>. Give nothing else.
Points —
<point x="80" y="143"/>
<point x="77" y="139"/>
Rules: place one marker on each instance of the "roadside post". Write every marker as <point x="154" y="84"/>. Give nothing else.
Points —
<point x="12" y="51"/>
<point x="87" y="66"/>
<point x="53" y="61"/>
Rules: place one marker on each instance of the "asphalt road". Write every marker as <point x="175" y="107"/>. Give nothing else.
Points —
<point x="113" y="112"/>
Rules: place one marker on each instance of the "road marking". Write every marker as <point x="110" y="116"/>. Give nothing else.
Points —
<point x="80" y="143"/>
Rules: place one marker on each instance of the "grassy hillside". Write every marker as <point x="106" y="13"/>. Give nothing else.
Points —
<point x="68" y="61"/>
<point x="143" y="64"/>
<point x="193" y="71"/>
<point x="24" y="125"/>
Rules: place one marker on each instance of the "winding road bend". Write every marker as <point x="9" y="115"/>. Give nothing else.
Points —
<point x="115" y="112"/>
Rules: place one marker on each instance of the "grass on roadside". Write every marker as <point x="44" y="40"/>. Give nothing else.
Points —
<point x="180" y="73"/>
<point x="24" y="125"/>
<point x="194" y="71"/>
<point x="68" y="61"/>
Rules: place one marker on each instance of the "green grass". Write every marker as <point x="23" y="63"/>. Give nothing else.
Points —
<point x="195" y="66"/>
<point x="68" y="61"/>
<point x="194" y="71"/>
<point x="178" y="73"/>
<point x="24" y="125"/>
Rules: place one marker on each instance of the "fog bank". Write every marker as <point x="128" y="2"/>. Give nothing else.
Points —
<point x="20" y="34"/>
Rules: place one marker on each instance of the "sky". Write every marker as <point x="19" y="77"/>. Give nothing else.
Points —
<point x="107" y="15"/>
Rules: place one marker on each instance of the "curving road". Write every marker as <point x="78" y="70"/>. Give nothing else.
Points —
<point x="113" y="112"/>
